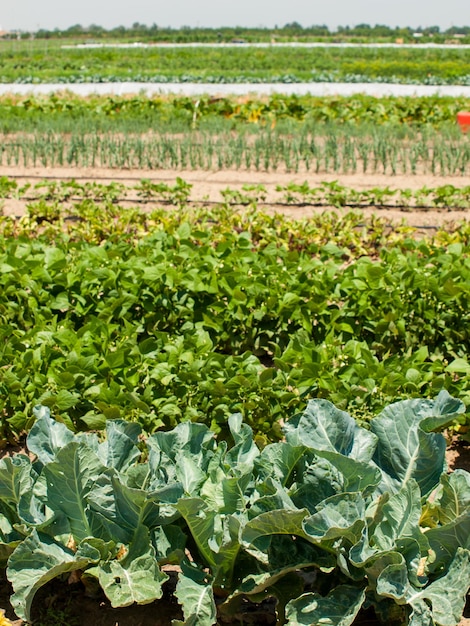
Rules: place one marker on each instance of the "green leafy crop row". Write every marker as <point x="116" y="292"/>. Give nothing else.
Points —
<point x="336" y="150"/>
<point x="67" y="112"/>
<point x="192" y="315"/>
<point x="157" y="64"/>
<point x="57" y="200"/>
<point x="333" y="519"/>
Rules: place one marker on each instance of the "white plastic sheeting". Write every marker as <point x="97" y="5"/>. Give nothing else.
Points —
<point x="197" y="89"/>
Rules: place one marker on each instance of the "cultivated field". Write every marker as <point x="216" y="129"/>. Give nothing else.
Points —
<point x="234" y="346"/>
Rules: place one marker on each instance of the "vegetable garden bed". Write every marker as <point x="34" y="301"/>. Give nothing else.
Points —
<point x="332" y="519"/>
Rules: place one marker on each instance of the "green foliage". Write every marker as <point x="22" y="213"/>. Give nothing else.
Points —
<point x="329" y="149"/>
<point x="334" y="504"/>
<point x="56" y="202"/>
<point x="221" y="65"/>
<point x="333" y="134"/>
<point x="337" y="195"/>
<point x="133" y="114"/>
<point x="195" y="314"/>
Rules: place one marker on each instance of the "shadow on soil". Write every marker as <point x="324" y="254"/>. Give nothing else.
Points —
<point x="60" y="604"/>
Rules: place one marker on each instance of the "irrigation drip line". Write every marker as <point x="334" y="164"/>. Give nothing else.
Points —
<point x="116" y="201"/>
<point x="93" y="178"/>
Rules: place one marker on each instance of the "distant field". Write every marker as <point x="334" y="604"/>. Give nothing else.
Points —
<point x="44" y="61"/>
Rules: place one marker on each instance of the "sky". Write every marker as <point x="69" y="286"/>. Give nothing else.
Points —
<point x="50" y="14"/>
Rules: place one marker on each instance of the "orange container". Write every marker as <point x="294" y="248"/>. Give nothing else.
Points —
<point x="463" y="119"/>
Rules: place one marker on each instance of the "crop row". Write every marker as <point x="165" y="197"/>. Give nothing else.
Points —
<point x="333" y="519"/>
<point x="232" y="78"/>
<point x="431" y="66"/>
<point x="135" y="114"/>
<point x="195" y="315"/>
<point x="333" y="152"/>
<point x="46" y="199"/>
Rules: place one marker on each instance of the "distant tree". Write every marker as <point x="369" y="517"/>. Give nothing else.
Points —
<point x="119" y="30"/>
<point x="76" y="29"/>
<point x="293" y="26"/>
<point x="458" y="30"/>
<point x="381" y="30"/>
<point x="318" y="30"/>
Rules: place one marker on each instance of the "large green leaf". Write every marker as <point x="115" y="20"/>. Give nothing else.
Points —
<point x="319" y="481"/>
<point x="195" y="594"/>
<point x="15" y="479"/>
<point x="120" y="450"/>
<point x="324" y="427"/>
<point x="169" y="542"/>
<point x="225" y="494"/>
<point x="70" y="480"/>
<point x="9" y="535"/>
<point x="399" y="518"/>
<point x="352" y="475"/>
<point x="181" y="455"/>
<point x="285" y="550"/>
<point x="440" y="602"/>
<point x="283" y="462"/>
<point x="187" y="437"/>
<point x="444" y="541"/>
<point x="36" y="561"/>
<point x="339" y="517"/>
<point x="405" y="449"/>
<point x="285" y="554"/>
<point x="277" y="522"/>
<point x="243" y="454"/>
<point x="189" y="474"/>
<point x="338" y="608"/>
<point x="47" y="436"/>
<point x="35" y="512"/>
<point x="117" y="508"/>
<point x="201" y="522"/>
<point x="268" y="495"/>
<point x="421" y="615"/>
<point x="216" y="536"/>
<point x="136" y="577"/>
<point x="450" y="500"/>
<point x="391" y="561"/>
<point x="447" y="595"/>
<point x="392" y="579"/>
<point x="444" y="412"/>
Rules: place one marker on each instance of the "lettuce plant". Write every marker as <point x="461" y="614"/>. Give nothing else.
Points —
<point x="333" y="519"/>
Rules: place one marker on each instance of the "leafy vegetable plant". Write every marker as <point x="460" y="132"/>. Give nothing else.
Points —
<point x="332" y="519"/>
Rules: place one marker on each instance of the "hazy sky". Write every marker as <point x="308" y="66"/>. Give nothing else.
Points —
<point x="34" y="14"/>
